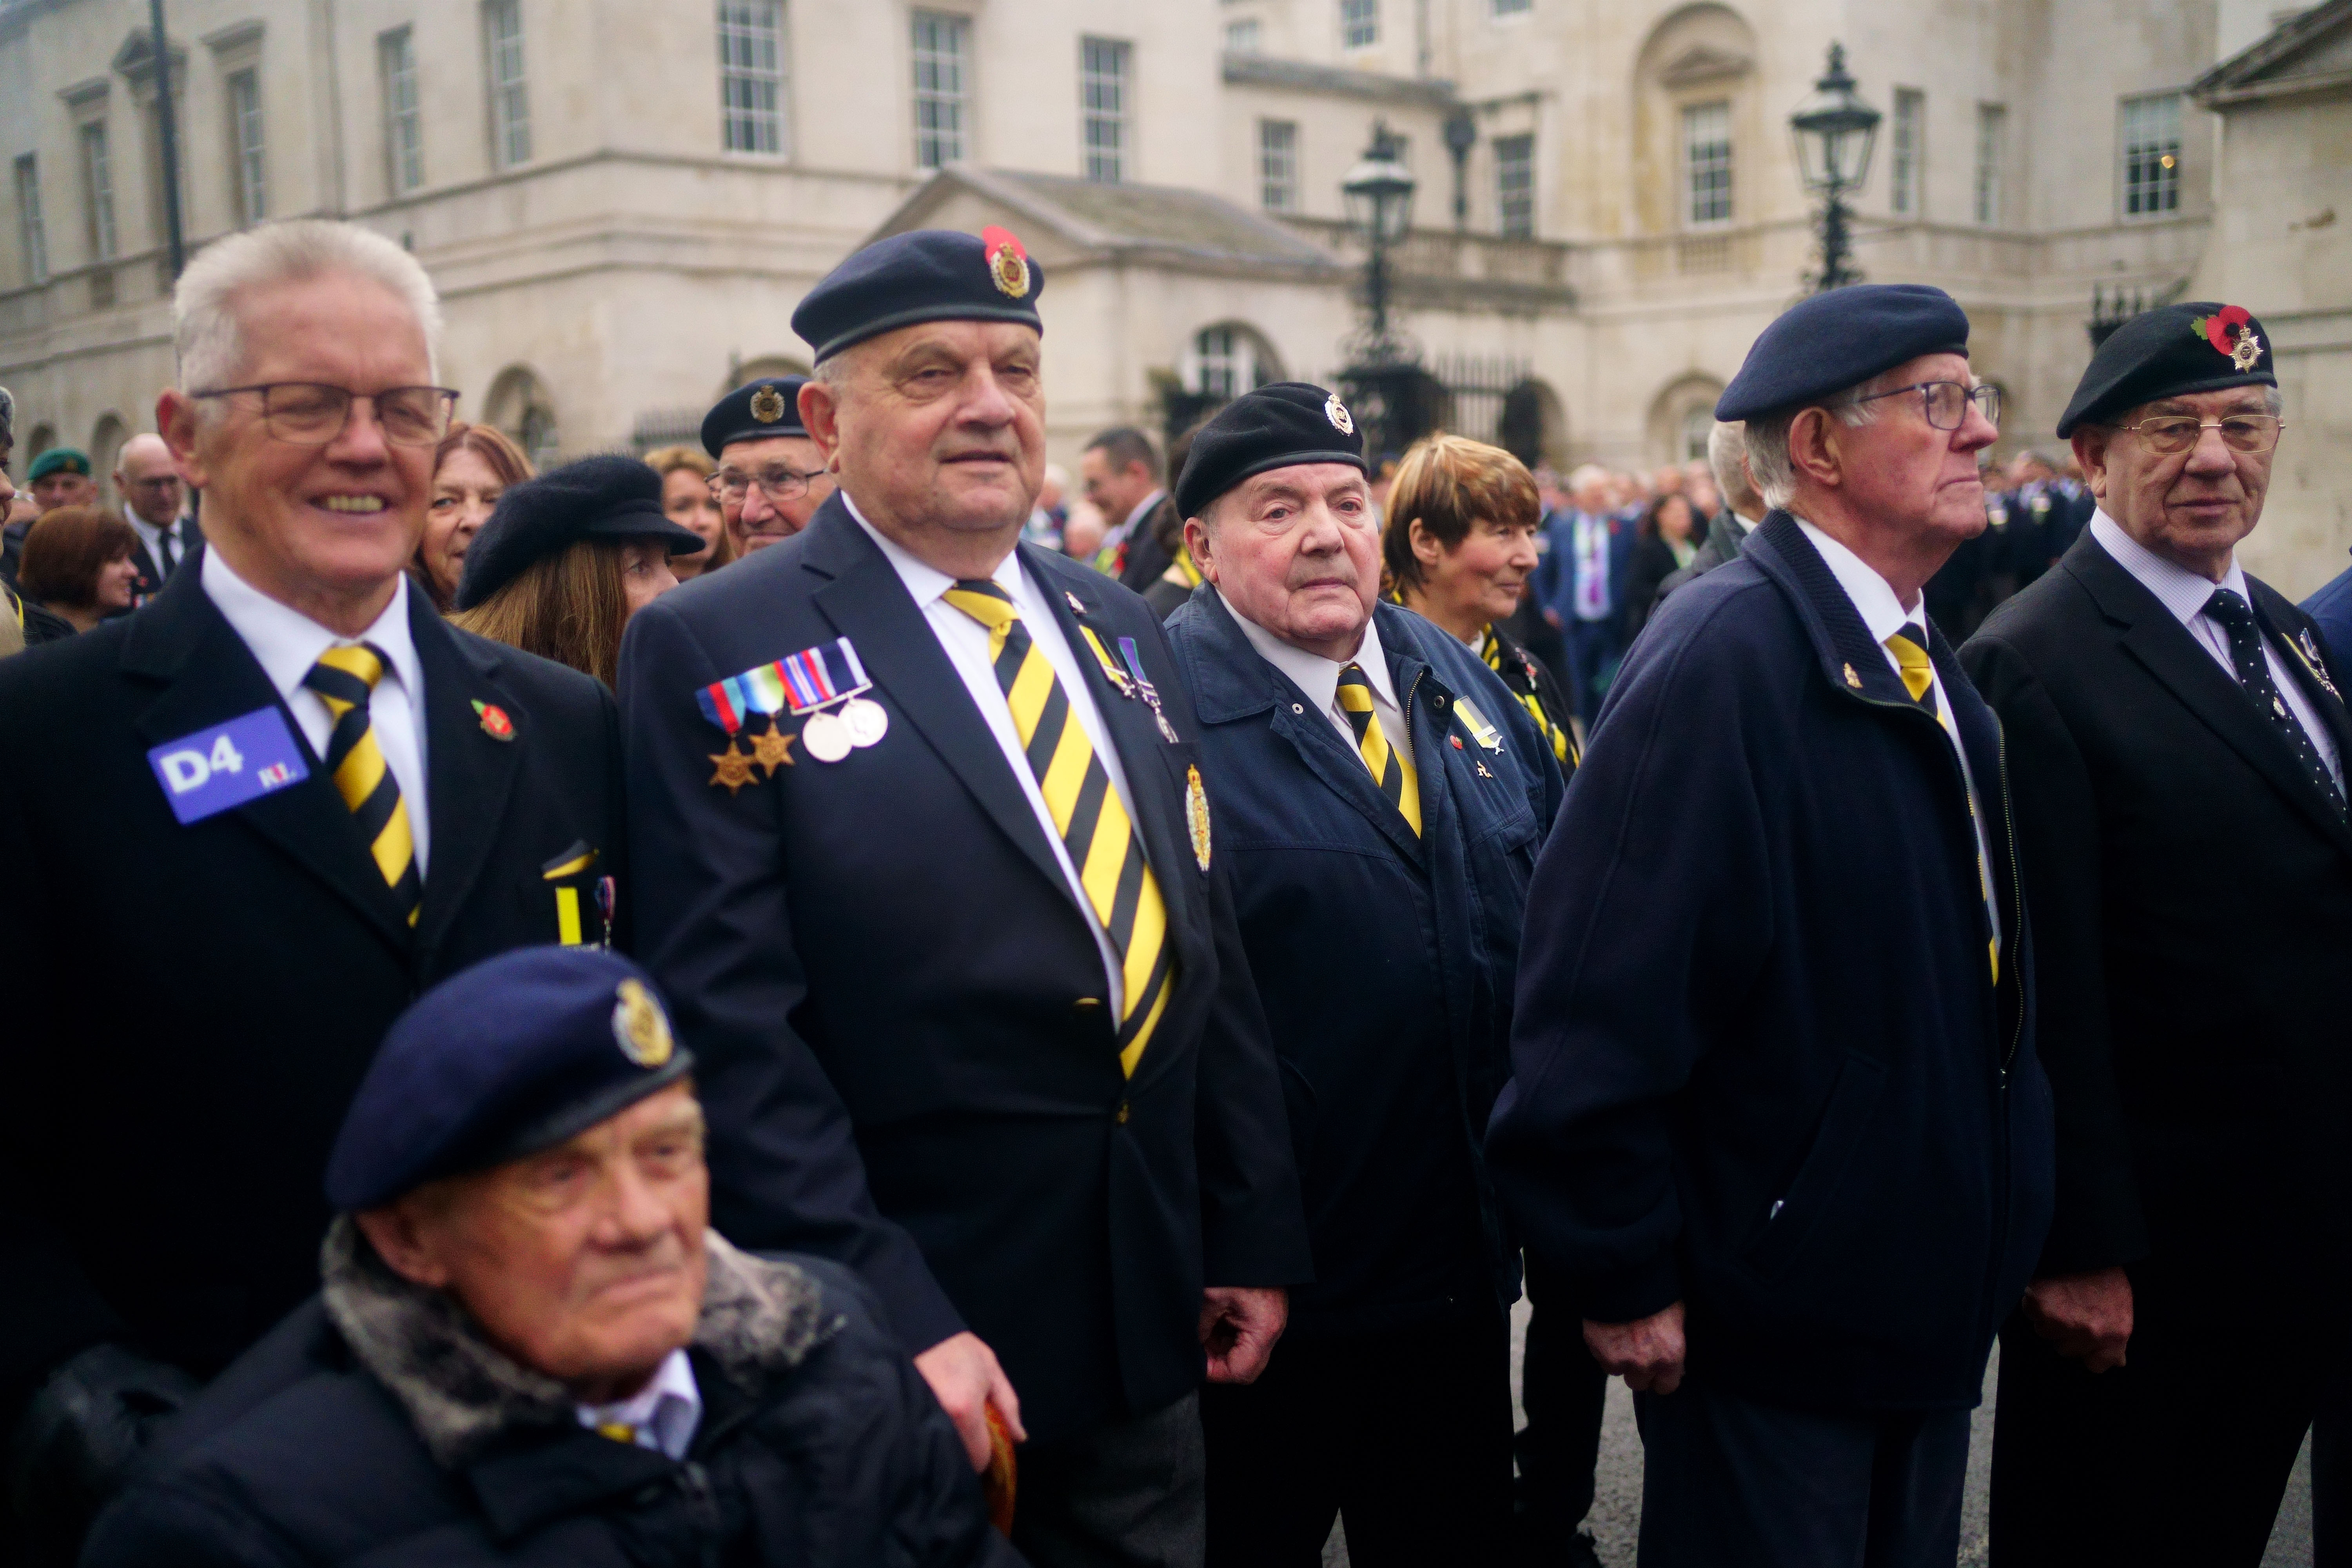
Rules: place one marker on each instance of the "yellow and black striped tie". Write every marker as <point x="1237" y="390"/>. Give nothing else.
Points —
<point x="1392" y="769"/>
<point x="1909" y="647"/>
<point x="1563" y="743"/>
<point x="344" y="678"/>
<point x="1086" y="812"/>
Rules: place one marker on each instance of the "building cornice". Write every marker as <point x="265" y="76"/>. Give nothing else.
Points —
<point x="1300" y="76"/>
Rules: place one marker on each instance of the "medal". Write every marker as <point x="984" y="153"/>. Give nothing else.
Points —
<point x="865" y="721"/>
<point x="772" y="749"/>
<point x="1145" y="690"/>
<point x="824" y="737"/>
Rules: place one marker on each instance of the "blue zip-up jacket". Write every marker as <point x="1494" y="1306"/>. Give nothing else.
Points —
<point x="1762" y="1065"/>
<point x="1383" y="963"/>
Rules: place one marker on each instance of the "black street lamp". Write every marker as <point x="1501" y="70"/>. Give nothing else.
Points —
<point x="1836" y="132"/>
<point x="1385" y="384"/>
<point x="1379" y="194"/>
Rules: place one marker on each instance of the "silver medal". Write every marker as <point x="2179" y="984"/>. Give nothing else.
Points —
<point x="867" y="721"/>
<point x="824" y="737"/>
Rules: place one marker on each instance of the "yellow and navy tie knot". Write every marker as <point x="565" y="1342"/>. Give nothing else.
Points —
<point x="1087" y="813"/>
<point x="1909" y="647"/>
<point x="344" y="678"/>
<point x="1392" y="769"/>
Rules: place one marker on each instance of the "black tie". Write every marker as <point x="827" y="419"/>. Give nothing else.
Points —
<point x="2237" y="618"/>
<point x="164" y="542"/>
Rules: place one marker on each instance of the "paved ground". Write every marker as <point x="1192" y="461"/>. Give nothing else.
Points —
<point x="1617" y="1504"/>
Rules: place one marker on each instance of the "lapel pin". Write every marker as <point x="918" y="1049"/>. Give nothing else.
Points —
<point x="1077" y="605"/>
<point x="1851" y="678"/>
<point x="495" y="723"/>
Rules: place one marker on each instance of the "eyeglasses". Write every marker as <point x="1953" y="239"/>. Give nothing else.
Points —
<point x="2172" y="432"/>
<point x="307" y="413"/>
<point x="779" y="484"/>
<point x="1946" y="402"/>
<point x="162" y="482"/>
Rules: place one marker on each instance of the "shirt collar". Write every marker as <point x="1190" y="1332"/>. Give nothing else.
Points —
<point x="1875" y="601"/>
<point x="1312" y="674"/>
<point x="2181" y="591"/>
<point x="1143" y="507"/>
<point x="667" y="1409"/>
<point x="927" y="582"/>
<point x="287" y="643"/>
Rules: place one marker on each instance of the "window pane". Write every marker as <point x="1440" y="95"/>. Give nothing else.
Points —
<point x="403" y="126"/>
<point x="1242" y="38"/>
<point x="1906" y="150"/>
<point x="509" y="98"/>
<point x="940" y="44"/>
<point x="1706" y="161"/>
<point x="1515" y="185"/>
<point x="1992" y="125"/>
<point x="1102" y="97"/>
<point x="1359" y="22"/>
<point x="751" y="75"/>
<point x="98" y="180"/>
<point x="1277" y="164"/>
<point x="1513" y="8"/>
<point x="2151" y="155"/>
<point x="245" y="138"/>
<point x="30" y="225"/>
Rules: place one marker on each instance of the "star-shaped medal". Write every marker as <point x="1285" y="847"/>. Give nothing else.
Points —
<point x="772" y="750"/>
<point x="734" y="768"/>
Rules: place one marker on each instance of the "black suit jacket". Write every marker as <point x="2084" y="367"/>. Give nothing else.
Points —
<point x="2192" y="899"/>
<point x="898" y="1006"/>
<point x="192" y="1008"/>
<point x="152" y="576"/>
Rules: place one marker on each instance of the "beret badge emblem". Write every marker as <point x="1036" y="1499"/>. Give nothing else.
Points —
<point x="767" y="405"/>
<point x="639" y="1027"/>
<point x="1008" y="262"/>
<point x="2230" y="332"/>
<point x="1337" y="413"/>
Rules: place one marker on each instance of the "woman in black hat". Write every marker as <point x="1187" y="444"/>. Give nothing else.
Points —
<point x="567" y="558"/>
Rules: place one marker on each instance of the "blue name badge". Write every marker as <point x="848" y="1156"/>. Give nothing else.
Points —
<point x="214" y="770"/>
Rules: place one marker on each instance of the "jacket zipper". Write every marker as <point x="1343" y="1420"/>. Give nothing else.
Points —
<point x="701" y="1510"/>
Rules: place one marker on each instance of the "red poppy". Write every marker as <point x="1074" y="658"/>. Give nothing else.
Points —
<point x="495" y="723"/>
<point x="993" y="239"/>
<point x="2219" y="324"/>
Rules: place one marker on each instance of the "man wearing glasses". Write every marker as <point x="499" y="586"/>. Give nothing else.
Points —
<point x="1776" y="1116"/>
<point x="152" y="497"/>
<point x="2177" y="742"/>
<point x="771" y="477"/>
<point x="263" y="813"/>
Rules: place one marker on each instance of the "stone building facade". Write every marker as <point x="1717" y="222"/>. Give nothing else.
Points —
<point x="623" y="203"/>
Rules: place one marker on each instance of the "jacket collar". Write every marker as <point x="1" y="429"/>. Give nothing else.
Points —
<point x="1850" y="659"/>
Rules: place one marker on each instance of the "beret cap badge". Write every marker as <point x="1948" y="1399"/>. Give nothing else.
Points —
<point x="639" y="1027"/>
<point x="2230" y="332"/>
<point x="1008" y="263"/>
<point x="1337" y="413"/>
<point x="767" y="405"/>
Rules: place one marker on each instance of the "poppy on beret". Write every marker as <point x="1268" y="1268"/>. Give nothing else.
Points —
<point x="609" y="497"/>
<point x="1278" y="425"/>
<point x="925" y="275"/>
<point x="2171" y="351"/>
<point x="1826" y="343"/>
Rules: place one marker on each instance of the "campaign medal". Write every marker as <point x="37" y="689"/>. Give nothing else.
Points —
<point x="1145" y="690"/>
<point x="1481" y="729"/>
<point x="1111" y="671"/>
<point x="566" y="874"/>
<point x="865" y="719"/>
<point x="1196" y="815"/>
<point x="825" y="737"/>
<point x="2308" y="646"/>
<point x="825" y="687"/>
<point x="730" y="704"/>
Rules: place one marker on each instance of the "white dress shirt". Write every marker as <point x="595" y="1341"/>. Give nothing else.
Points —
<point x="1883" y="613"/>
<point x="664" y="1414"/>
<point x="289" y="643"/>
<point x="153" y="538"/>
<point x="965" y="642"/>
<point x="2186" y="593"/>
<point x="1318" y="677"/>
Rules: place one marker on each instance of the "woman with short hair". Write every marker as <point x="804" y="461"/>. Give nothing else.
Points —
<point x="78" y="565"/>
<point x="1667" y="540"/>
<point x="568" y="557"/>
<point x="472" y="468"/>
<point x="688" y="500"/>
<point x="1457" y="547"/>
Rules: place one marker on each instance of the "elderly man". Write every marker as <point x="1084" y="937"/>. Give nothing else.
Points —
<point x="937" y="895"/>
<point x="1776" y="1111"/>
<point x="530" y="1348"/>
<point x="2178" y="741"/>
<point x="1120" y="473"/>
<point x="1380" y="797"/>
<point x="149" y="483"/>
<point x="770" y="476"/>
<point x="58" y="476"/>
<point x="21" y="621"/>
<point x="261" y="812"/>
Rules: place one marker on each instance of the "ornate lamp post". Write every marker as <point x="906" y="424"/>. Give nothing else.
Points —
<point x="1383" y="380"/>
<point x="1379" y="194"/>
<point x="1835" y="132"/>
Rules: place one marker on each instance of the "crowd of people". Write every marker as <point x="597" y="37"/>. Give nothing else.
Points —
<point x="845" y="997"/>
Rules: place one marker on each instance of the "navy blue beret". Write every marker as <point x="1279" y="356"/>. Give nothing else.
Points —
<point x="1276" y="426"/>
<point x="2170" y="352"/>
<point x="766" y="407"/>
<point x="1828" y="342"/>
<point x="927" y="275"/>
<point x="608" y="497"/>
<point x="501" y="1060"/>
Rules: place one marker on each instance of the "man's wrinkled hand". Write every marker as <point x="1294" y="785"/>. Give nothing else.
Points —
<point x="2086" y="1316"/>
<point x="966" y="1380"/>
<point x="1647" y="1352"/>
<point x="1238" y="1327"/>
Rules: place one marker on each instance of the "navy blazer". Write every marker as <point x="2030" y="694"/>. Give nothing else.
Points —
<point x="898" y="1006"/>
<point x="1760" y="1063"/>
<point x="1384" y="960"/>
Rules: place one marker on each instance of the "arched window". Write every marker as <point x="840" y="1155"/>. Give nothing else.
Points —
<point x="520" y="406"/>
<point x="1533" y="428"/>
<point x="1695" y="110"/>
<point x="1682" y="416"/>
<point x="1230" y="359"/>
<point x="1699" y="423"/>
<point x="105" y="445"/>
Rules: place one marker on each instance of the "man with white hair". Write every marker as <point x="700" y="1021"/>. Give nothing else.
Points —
<point x="263" y="813"/>
<point x="1581" y="582"/>
<point x="1775" y="1113"/>
<point x="152" y="496"/>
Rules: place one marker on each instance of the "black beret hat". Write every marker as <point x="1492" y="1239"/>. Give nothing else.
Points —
<point x="1824" y="345"/>
<point x="928" y="275"/>
<point x="501" y="1060"/>
<point x="2170" y="351"/>
<point x="1275" y="427"/>
<point x="753" y="413"/>
<point x="605" y="497"/>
